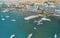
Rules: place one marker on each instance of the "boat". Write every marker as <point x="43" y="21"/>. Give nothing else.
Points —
<point x="30" y="35"/>
<point x="42" y="19"/>
<point x="45" y="19"/>
<point x="31" y="17"/>
<point x="55" y="36"/>
<point x="12" y="36"/>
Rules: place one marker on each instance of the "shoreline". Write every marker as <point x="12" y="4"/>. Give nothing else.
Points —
<point x="25" y="10"/>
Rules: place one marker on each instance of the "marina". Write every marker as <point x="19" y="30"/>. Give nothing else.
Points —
<point x="32" y="20"/>
<point x="17" y="25"/>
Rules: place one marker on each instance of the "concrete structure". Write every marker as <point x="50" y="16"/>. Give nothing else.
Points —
<point x="31" y="7"/>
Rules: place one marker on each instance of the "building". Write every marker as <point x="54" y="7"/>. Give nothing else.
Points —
<point x="41" y="1"/>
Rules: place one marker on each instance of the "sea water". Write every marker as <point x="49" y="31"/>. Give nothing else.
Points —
<point x="21" y="28"/>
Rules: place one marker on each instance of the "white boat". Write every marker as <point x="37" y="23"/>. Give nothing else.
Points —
<point x="55" y="36"/>
<point x="42" y="19"/>
<point x="13" y="20"/>
<point x="12" y="36"/>
<point x="33" y="16"/>
<point x="3" y="19"/>
<point x="45" y="19"/>
<point x="30" y="35"/>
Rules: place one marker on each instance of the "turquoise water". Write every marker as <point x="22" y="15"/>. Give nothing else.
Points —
<point x="22" y="28"/>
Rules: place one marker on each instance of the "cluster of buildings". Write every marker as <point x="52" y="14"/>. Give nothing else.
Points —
<point x="47" y="5"/>
<point x="50" y="6"/>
